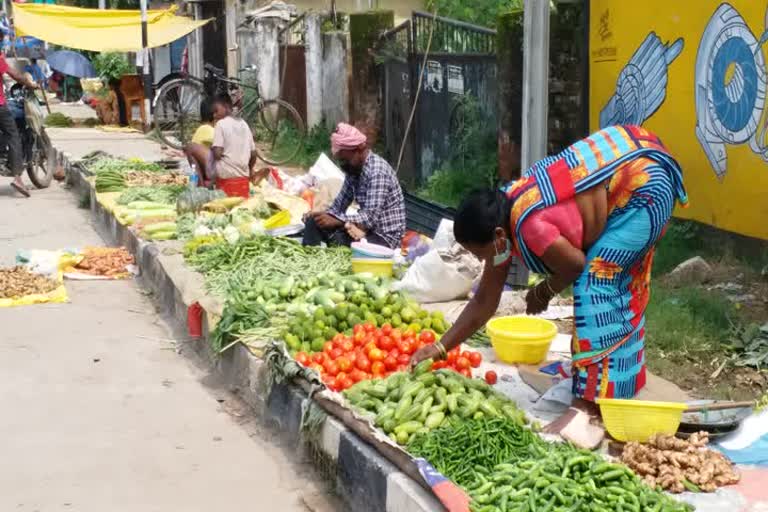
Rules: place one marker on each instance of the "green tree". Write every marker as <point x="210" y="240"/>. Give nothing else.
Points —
<point x="478" y="12"/>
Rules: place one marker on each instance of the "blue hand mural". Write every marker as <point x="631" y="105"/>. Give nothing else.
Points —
<point x="642" y="85"/>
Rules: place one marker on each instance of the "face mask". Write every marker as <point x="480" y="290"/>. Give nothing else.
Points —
<point x="502" y="257"/>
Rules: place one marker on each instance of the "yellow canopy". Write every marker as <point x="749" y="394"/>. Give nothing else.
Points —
<point x="100" y="30"/>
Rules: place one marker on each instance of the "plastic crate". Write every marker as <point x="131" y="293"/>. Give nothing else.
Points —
<point x="424" y="217"/>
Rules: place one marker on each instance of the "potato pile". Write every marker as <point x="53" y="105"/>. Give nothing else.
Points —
<point x="677" y="465"/>
<point x="19" y="281"/>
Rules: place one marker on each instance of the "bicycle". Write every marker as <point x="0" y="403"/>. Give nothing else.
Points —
<point x="278" y="129"/>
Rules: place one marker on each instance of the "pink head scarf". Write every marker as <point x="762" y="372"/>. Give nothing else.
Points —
<point x="346" y="137"/>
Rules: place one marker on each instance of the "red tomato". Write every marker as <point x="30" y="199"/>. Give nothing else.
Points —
<point x="363" y="363"/>
<point x="378" y="369"/>
<point x="359" y="337"/>
<point x="368" y="347"/>
<point x="405" y="347"/>
<point x="318" y="357"/>
<point x="318" y="368"/>
<point x="357" y="375"/>
<point x="397" y="334"/>
<point x="462" y="363"/>
<point x="386" y="329"/>
<point x="475" y="358"/>
<point x="376" y="354"/>
<point x="439" y="364"/>
<point x="452" y="357"/>
<point x="465" y="354"/>
<point x="466" y="372"/>
<point x="338" y="338"/>
<point x="409" y="333"/>
<point x="369" y="327"/>
<point x="491" y="377"/>
<point x="328" y="346"/>
<point x="302" y="358"/>
<point x="347" y="346"/>
<point x="390" y="362"/>
<point x="386" y="343"/>
<point x="402" y="368"/>
<point x="403" y="359"/>
<point x="331" y="383"/>
<point x="394" y="352"/>
<point x="344" y="364"/>
<point x="358" y="328"/>
<point x="427" y="336"/>
<point x="331" y="368"/>
<point x="352" y="356"/>
<point x="336" y="353"/>
<point x="344" y="383"/>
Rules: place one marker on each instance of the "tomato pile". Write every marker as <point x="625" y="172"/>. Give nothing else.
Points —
<point x="372" y="353"/>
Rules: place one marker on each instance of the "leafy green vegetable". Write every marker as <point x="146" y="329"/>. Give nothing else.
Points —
<point x="166" y="194"/>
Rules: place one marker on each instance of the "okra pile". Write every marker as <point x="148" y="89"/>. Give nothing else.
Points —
<point x="504" y="466"/>
<point x="406" y="404"/>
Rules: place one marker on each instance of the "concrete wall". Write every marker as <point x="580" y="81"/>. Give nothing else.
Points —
<point x="259" y="46"/>
<point x="335" y="80"/>
<point x="313" y="49"/>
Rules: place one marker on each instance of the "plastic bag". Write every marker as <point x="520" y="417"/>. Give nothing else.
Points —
<point x="440" y="276"/>
<point x="327" y="179"/>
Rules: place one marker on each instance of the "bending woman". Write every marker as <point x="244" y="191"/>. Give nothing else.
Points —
<point x="590" y="216"/>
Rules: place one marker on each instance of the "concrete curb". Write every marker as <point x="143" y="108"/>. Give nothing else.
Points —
<point x="363" y="478"/>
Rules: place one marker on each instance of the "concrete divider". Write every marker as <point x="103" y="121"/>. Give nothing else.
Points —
<point x="366" y="480"/>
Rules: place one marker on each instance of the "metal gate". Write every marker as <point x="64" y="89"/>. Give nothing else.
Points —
<point x="293" y="65"/>
<point x="460" y="66"/>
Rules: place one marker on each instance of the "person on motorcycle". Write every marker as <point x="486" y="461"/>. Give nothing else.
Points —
<point x="8" y="127"/>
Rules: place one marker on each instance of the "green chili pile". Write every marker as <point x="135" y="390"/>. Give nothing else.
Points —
<point x="504" y="466"/>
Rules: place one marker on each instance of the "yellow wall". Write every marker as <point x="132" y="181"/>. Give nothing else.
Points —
<point x="655" y="45"/>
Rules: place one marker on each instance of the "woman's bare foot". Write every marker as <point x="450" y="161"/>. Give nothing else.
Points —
<point x="577" y="425"/>
<point x="578" y="405"/>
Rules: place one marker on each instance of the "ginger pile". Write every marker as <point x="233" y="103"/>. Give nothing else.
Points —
<point x="677" y="465"/>
<point x="149" y="178"/>
<point x="20" y="281"/>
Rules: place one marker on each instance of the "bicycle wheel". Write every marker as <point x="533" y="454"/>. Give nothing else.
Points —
<point x="278" y="130"/>
<point x="177" y="111"/>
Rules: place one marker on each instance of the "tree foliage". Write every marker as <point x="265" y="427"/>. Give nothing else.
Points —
<point x="479" y="12"/>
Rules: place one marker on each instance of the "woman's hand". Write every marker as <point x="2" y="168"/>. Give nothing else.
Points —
<point x="537" y="300"/>
<point x="426" y="352"/>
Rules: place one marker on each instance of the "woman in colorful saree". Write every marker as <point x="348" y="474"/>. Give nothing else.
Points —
<point x="589" y="217"/>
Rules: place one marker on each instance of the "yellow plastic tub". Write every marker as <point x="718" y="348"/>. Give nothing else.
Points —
<point x="376" y="267"/>
<point x="638" y="420"/>
<point x="521" y="339"/>
<point x="278" y="220"/>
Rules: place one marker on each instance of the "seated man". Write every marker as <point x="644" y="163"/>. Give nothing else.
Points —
<point x="234" y="151"/>
<point x="371" y="182"/>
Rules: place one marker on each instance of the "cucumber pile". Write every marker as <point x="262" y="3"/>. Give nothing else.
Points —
<point x="109" y="181"/>
<point x="408" y="404"/>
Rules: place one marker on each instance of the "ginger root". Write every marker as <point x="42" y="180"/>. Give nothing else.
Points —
<point x="671" y="463"/>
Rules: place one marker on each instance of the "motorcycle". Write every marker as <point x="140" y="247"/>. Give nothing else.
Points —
<point x="35" y="143"/>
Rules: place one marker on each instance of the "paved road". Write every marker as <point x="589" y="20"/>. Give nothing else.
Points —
<point x="99" y="413"/>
